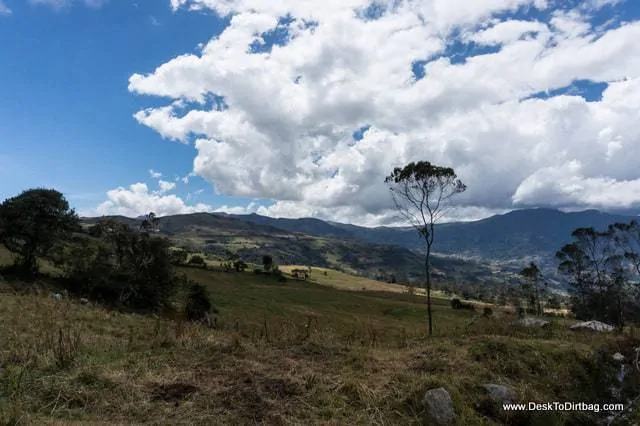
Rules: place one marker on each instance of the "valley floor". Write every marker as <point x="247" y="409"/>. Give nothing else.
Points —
<point x="285" y="353"/>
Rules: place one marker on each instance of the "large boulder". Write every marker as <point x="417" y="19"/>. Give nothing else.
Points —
<point x="439" y="407"/>
<point x="593" y="325"/>
<point x="534" y="322"/>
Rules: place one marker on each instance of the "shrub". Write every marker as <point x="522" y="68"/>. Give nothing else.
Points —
<point x="124" y="269"/>
<point x="197" y="260"/>
<point x="457" y="304"/>
<point x="198" y="303"/>
<point x="179" y="257"/>
<point x="487" y="311"/>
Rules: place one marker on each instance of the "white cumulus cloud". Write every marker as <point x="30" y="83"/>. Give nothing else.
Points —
<point x="285" y="130"/>
<point x="166" y="186"/>
<point x="137" y="200"/>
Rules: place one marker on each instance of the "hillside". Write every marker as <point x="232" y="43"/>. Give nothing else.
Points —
<point x="508" y="241"/>
<point x="288" y="353"/>
<point x="219" y="234"/>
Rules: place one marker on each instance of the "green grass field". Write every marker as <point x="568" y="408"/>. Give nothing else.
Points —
<point x="286" y="353"/>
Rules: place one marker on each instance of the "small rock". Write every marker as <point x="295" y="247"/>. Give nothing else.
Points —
<point x="533" y="322"/>
<point x="618" y="357"/>
<point x="56" y="296"/>
<point x="439" y="406"/>
<point x="500" y="393"/>
<point x="84" y="301"/>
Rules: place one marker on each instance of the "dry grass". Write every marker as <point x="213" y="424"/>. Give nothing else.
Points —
<point x="287" y="354"/>
<point x="344" y="281"/>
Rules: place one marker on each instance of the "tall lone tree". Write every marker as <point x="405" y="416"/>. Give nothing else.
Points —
<point x="421" y="192"/>
<point x="32" y="222"/>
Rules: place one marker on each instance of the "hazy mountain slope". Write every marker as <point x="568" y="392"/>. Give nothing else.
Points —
<point x="217" y="234"/>
<point x="521" y="233"/>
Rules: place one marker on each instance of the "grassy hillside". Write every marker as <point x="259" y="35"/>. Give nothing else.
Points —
<point x="218" y="234"/>
<point x="285" y="353"/>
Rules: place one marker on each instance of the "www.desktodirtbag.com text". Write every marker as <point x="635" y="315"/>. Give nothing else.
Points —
<point x="563" y="406"/>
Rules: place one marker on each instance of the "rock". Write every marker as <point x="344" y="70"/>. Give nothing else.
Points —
<point x="439" y="406"/>
<point x="500" y="393"/>
<point x="593" y="325"/>
<point x="533" y="322"/>
<point x="56" y="296"/>
<point x="84" y="301"/>
<point x="210" y="321"/>
<point x="618" y="357"/>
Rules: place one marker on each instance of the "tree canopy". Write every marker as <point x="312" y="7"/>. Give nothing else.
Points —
<point x="32" y="222"/>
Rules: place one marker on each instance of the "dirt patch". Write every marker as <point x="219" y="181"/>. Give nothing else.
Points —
<point x="254" y="396"/>
<point x="174" y="392"/>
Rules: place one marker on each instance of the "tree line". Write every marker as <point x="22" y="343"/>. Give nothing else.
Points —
<point x="110" y="262"/>
<point x="603" y="268"/>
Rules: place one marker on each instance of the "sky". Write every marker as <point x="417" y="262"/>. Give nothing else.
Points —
<point x="294" y="108"/>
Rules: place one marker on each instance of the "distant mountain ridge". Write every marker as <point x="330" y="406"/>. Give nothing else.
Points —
<point x="218" y="234"/>
<point x="520" y="233"/>
<point x="497" y="246"/>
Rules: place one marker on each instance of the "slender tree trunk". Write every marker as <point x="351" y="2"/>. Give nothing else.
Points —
<point x="29" y="263"/>
<point x="427" y="271"/>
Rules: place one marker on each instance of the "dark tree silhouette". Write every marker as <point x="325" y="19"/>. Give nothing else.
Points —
<point x="32" y="222"/>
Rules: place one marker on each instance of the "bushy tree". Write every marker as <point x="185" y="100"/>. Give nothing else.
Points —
<point x="124" y="268"/>
<point x="32" y="222"/>
<point x="197" y="260"/>
<point x="179" y="257"/>
<point x="421" y="192"/>
<point x="150" y="223"/>
<point x="198" y="303"/>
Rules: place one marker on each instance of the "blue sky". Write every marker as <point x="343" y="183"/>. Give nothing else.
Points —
<point x="67" y="116"/>
<point x="311" y="125"/>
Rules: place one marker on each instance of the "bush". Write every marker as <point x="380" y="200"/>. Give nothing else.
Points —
<point x="123" y="269"/>
<point x="197" y="260"/>
<point x="179" y="257"/>
<point x="487" y="311"/>
<point x="198" y="303"/>
<point x="457" y="304"/>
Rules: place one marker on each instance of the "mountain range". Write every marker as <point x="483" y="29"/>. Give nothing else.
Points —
<point x="492" y="248"/>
